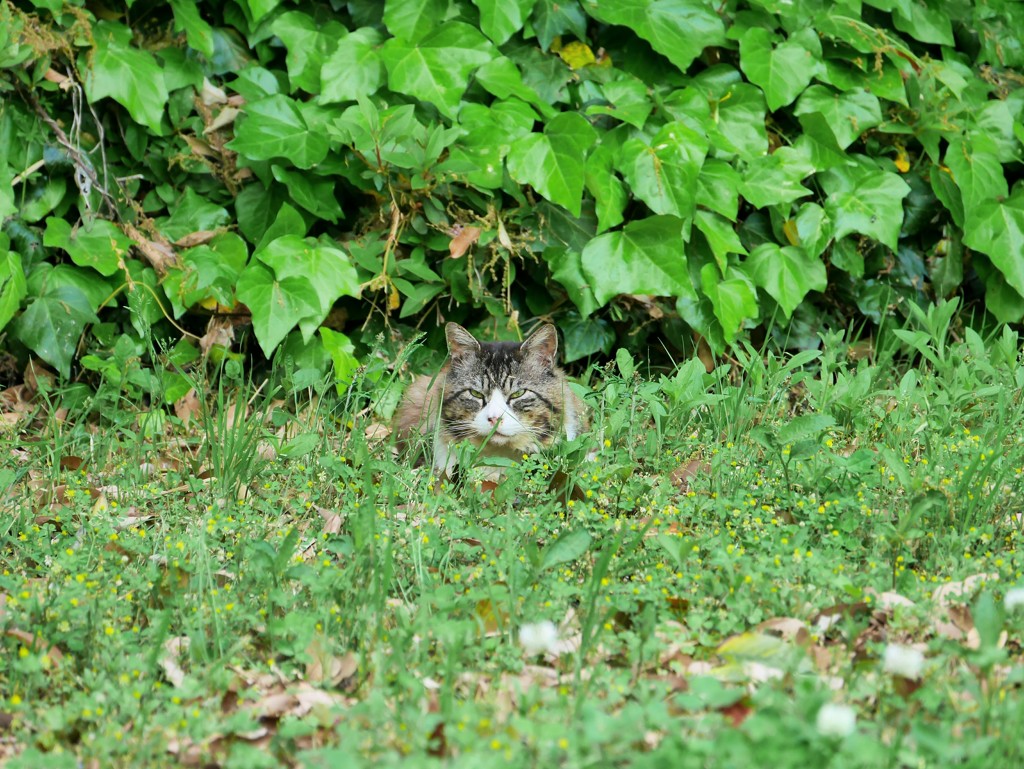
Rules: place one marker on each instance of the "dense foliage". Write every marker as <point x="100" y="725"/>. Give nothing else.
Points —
<point x="677" y="169"/>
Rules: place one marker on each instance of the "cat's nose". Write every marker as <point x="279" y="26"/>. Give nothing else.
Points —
<point x="493" y="420"/>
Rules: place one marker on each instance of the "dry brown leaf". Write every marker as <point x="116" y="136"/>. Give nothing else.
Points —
<point x="951" y="591"/>
<point x="212" y="94"/>
<point x="38" y="377"/>
<point x="71" y="463"/>
<point x="326" y="667"/>
<point x="188" y="407"/>
<point x="224" y="118"/>
<point x="789" y="628"/>
<point x="220" y="331"/>
<point x="682" y="475"/>
<point x="275" y="705"/>
<point x="199" y="147"/>
<point x="172" y="651"/>
<point x="888" y="599"/>
<point x="196" y="238"/>
<point x="462" y="239"/>
<point x="376" y="432"/>
<point x="35" y="643"/>
<point x="332" y="520"/>
<point x="159" y="254"/>
<point x="974" y="639"/>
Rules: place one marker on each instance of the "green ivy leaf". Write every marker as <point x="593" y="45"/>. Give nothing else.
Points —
<point x="645" y="257"/>
<point x="500" y="19"/>
<point x="610" y="195"/>
<point x="275" y="128"/>
<point x="287" y="222"/>
<point x="7" y="205"/>
<point x="739" y="122"/>
<point x="837" y="118"/>
<point x="256" y="207"/>
<point x="994" y="125"/>
<point x="488" y="132"/>
<point x="99" y="244"/>
<point x="782" y="71"/>
<point x="567" y="269"/>
<point x="293" y="257"/>
<point x="313" y="193"/>
<point x="12" y="285"/>
<point x="1001" y="299"/>
<point x="978" y="174"/>
<point x="128" y="75"/>
<point x="718" y="188"/>
<point x="411" y="20"/>
<point x="198" y="31"/>
<point x="997" y="230"/>
<point x="552" y="18"/>
<point x="664" y="173"/>
<point x="677" y="29"/>
<point x="51" y="325"/>
<point x="787" y="274"/>
<point x="417" y="295"/>
<point x="628" y="101"/>
<point x="309" y="44"/>
<point x="733" y="298"/>
<point x="341" y="350"/>
<point x="583" y="337"/>
<point x="193" y="213"/>
<point x="721" y="236"/>
<point x="437" y="68"/>
<point x="866" y="200"/>
<point x="947" y="192"/>
<point x="552" y="162"/>
<point x="853" y="72"/>
<point x="276" y="305"/>
<point x="502" y="77"/>
<point x="775" y="179"/>
<point x="924" y="23"/>
<point x="260" y="8"/>
<point x="813" y="228"/>
<point x="355" y="68"/>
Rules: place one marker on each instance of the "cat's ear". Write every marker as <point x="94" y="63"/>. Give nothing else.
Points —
<point x="460" y="341"/>
<point x="542" y="345"/>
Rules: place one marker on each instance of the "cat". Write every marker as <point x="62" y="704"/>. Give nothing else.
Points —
<point x="506" y="398"/>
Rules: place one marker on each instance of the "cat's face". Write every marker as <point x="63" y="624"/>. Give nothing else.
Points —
<point x="504" y="393"/>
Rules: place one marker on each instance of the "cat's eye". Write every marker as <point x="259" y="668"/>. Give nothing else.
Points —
<point x="517" y="394"/>
<point x="477" y="394"/>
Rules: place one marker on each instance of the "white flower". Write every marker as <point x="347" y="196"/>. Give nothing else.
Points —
<point x="903" y="661"/>
<point x="539" y="637"/>
<point x="836" y="720"/>
<point x="1014" y="598"/>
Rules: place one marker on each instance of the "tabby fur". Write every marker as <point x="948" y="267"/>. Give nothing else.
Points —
<point x="506" y="398"/>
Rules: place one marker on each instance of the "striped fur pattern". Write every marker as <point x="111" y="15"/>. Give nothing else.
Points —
<point x="506" y="398"/>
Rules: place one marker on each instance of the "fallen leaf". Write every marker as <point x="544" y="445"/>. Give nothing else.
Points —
<point x="36" y="643"/>
<point x="158" y="253"/>
<point x="888" y="599"/>
<point x="224" y="118"/>
<point x="682" y="475"/>
<point x="196" y="238"/>
<point x="172" y="651"/>
<point x="462" y="239"/>
<point x="789" y="628"/>
<point x="950" y="591"/>
<point x="220" y="332"/>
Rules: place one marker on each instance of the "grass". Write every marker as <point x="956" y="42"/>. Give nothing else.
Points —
<point x="743" y="551"/>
